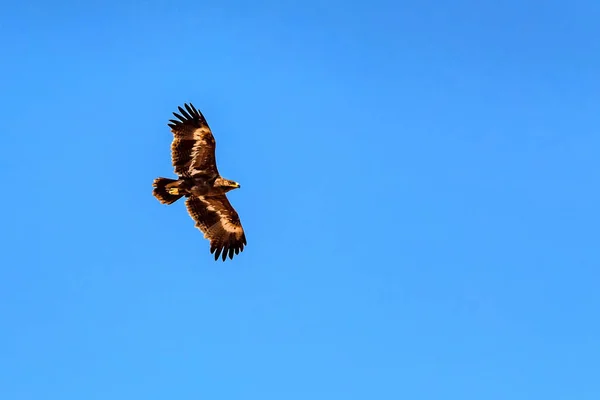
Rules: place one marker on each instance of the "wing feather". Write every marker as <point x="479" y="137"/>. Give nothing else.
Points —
<point x="193" y="146"/>
<point x="220" y="223"/>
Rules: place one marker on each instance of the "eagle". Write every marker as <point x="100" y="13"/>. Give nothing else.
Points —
<point x="199" y="181"/>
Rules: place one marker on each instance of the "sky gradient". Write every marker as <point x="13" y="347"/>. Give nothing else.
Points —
<point x="419" y="190"/>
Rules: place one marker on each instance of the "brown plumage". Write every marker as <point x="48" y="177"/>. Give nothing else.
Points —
<point x="193" y="157"/>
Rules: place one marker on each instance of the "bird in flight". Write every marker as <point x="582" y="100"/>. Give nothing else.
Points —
<point x="199" y="181"/>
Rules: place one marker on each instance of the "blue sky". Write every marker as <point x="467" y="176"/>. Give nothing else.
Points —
<point x="419" y="191"/>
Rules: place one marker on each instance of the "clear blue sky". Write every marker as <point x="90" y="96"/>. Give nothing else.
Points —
<point x="419" y="190"/>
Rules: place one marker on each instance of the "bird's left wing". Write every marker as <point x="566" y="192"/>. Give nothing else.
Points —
<point x="219" y="222"/>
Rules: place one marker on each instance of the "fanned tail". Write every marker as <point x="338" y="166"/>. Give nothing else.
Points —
<point x="164" y="190"/>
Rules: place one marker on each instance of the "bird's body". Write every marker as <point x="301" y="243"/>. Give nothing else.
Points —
<point x="193" y="156"/>
<point x="200" y="185"/>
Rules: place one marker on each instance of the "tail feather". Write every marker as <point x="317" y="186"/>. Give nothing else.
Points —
<point x="161" y="191"/>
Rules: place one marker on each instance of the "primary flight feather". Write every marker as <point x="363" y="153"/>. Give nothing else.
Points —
<point x="193" y="157"/>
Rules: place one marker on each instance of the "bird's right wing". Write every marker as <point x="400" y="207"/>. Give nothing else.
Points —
<point x="193" y="146"/>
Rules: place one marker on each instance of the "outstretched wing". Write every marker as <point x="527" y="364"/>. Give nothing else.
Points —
<point x="219" y="222"/>
<point x="193" y="146"/>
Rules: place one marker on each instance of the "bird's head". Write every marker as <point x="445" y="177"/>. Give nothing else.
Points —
<point x="228" y="185"/>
